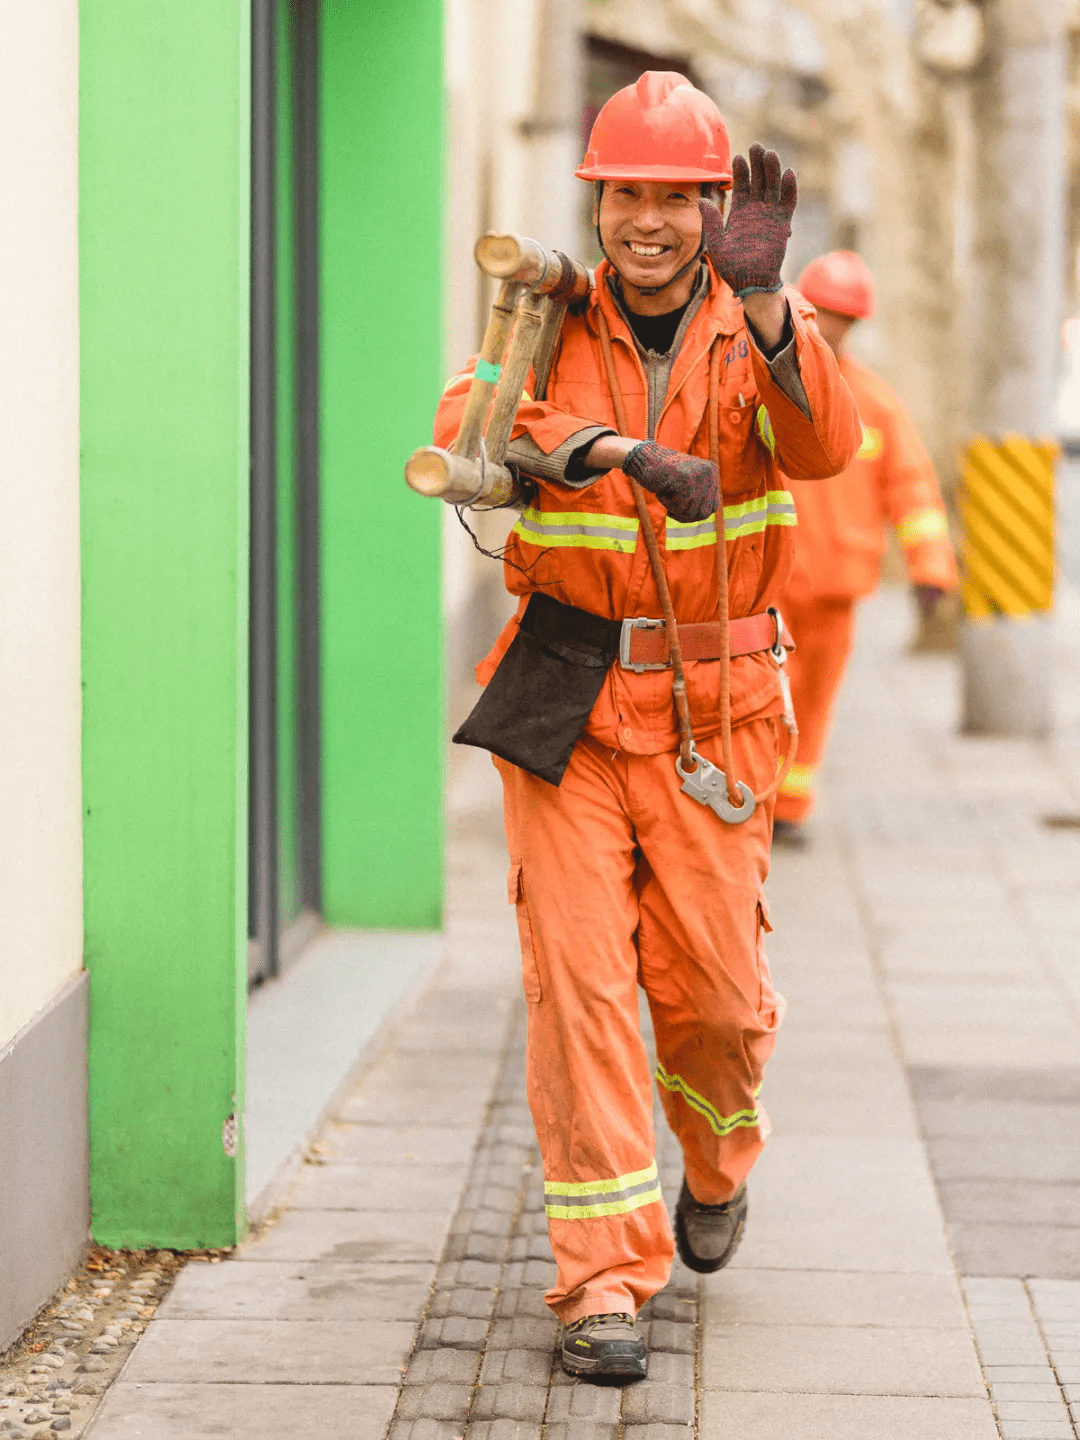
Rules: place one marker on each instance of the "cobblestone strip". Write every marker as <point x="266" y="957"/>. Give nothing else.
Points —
<point x="1022" y="1376"/>
<point x="485" y="1366"/>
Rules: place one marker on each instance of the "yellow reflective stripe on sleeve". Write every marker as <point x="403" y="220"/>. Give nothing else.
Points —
<point x="578" y="529"/>
<point x="775" y="507"/>
<point x="798" y="782"/>
<point x="870" y="448"/>
<point x="929" y="523"/>
<point x="719" y="1124"/>
<point x="591" y="1199"/>
<point x="763" y="426"/>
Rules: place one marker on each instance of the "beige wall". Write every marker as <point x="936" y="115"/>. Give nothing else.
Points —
<point x="40" y="820"/>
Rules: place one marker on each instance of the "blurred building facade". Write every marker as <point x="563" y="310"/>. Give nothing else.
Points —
<point x="874" y="103"/>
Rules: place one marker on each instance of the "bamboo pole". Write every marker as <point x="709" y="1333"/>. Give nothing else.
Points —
<point x="488" y="369"/>
<point x="459" y="480"/>
<point x="546" y="272"/>
<point x="519" y="358"/>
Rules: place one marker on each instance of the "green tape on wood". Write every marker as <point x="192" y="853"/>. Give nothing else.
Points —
<point x="486" y="371"/>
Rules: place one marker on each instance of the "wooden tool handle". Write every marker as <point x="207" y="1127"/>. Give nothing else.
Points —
<point x="516" y="257"/>
<point x="458" y="479"/>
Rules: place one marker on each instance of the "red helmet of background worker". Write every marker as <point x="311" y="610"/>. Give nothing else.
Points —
<point x="839" y="281"/>
<point x="660" y="128"/>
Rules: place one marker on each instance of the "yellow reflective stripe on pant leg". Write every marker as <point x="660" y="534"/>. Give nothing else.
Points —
<point x="590" y="1199"/>
<point x="798" y="782"/>
<point x="719" y="1124"/>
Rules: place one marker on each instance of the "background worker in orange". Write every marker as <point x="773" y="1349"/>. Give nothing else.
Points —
<point x="841" y="536"/>
<point x="618" y="876"/>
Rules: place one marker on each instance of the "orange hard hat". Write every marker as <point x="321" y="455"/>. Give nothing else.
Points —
<point x="660" y="128"/>
<point x="839" y="281"/>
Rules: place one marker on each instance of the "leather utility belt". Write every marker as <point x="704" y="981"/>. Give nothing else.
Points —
<point x="538" y="701"/>
<point x="643" y="643"/>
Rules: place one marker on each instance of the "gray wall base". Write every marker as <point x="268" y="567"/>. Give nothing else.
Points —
<point x="44" y="1157"/>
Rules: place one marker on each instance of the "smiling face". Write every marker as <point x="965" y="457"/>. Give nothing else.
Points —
<point x="649" y="230"/>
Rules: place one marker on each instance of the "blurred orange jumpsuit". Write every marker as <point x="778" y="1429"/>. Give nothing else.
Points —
<point x="617" y="877"/>
<point x="839" y="546"/>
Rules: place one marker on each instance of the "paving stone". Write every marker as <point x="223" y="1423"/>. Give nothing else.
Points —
<point x="425" y="1430"/>
<point x="794" y="1297"/>
<point x="360" y="1186"/>
<point x="582" y="1430"/>
<point x="360" y="1235"/>
<point x="656" y="1431"/>
<point x="670" y="1369"/>
<point x="803" y="1359"/>
<point x="434" y="1402"/>
<point x="454" y="1332"/>
<point x="577" y="1401"/>
<point x="504" y="1430"/>
<point x="285" y="1290"/>
<point x="1035" y="1430"/>
<point x="1004" y="1391"/>
<point x="757" y="1416"/>
<point x="666" y="1335"/>
<point x="454" y="1367"/>
<point x="513" y="1402"/>
<point x="1046" y="1412"/>
<point x="302" y="1352"/>
<point x="471" y="1304"/>
<point x="197" y="1411"/>
<point x="529" y="1367"/>
<point x="397" y="1144"/>
<point x="525" y="1333"/>
<point x="657" y="1403"/>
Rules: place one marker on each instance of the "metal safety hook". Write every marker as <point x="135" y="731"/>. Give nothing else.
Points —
<point x="708" y="786"/>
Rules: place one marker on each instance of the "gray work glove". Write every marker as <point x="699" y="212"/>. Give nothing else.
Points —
<point x="749" y="250"/>
<point x="687" y="486"/>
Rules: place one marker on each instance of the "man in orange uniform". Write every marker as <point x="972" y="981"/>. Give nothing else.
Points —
<point x="841" y="535"/>
<point x="618" y="876"/>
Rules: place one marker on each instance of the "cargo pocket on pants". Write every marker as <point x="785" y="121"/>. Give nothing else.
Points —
<point x="530" y="974"/>
<point x="771" y="1006"/>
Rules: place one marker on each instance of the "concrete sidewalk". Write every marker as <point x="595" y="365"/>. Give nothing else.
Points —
<point x="911" y="1266"/>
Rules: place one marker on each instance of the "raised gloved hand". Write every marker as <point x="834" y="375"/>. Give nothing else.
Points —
<point x="749" y="250"/>
<point x="687" y="486"/>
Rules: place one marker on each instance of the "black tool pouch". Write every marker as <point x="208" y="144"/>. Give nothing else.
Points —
<point x="536" y="704"/>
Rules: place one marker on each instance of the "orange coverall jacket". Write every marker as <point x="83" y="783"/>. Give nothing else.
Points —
<point x="583" y="546"/>
<point x="841" y="536"/>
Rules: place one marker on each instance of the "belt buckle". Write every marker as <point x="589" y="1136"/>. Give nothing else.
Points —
<point x="640" y="622"/>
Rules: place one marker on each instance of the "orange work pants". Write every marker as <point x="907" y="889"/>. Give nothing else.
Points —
<point x="620" y="879"/>
<point x="823" y="631"/>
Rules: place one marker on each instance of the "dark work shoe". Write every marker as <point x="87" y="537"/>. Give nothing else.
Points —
<point x="709" y="1235"/>
<point x="789" y="833"/>
<point x="604" y="1345"/>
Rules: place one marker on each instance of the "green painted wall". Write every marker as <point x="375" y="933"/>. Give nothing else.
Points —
<point x="164" y="242"/>
<point x="381" y="266"/>
<point x="285" y="414"/>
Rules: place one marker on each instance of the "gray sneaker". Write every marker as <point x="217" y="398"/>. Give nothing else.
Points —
<point x="709" y="1235"/>
<point x="604" y="1345"/>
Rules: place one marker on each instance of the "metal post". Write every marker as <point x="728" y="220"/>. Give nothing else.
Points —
<point x="262" y="622"/>
<point x="1019" y="96"/>
<point x="306" y="220"/>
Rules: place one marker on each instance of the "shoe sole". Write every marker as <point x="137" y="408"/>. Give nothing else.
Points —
<point x="627" y="1367"/>
<point x="695" y="1262"/>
